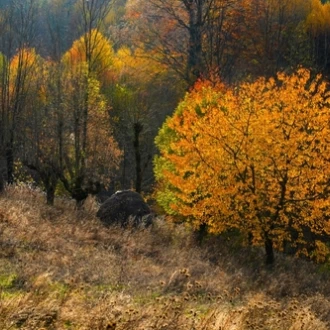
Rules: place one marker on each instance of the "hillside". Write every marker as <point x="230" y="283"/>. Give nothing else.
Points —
<point x="61" y="269"/>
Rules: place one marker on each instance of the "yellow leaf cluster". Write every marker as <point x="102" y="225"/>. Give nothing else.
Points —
<point x="319" y="18"/>
<point x="92" y="48"/>
<point x="255" y="157"/>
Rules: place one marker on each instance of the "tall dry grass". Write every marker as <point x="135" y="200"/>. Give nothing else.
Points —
<point x="61" y="269"/>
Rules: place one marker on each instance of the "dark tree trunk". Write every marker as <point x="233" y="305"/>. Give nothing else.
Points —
<point x="76" y="189"/>
<point x="79" y="195"/>
<point x="3" y="169"/>
<point x="269" y="251"/>
<point x="138" y="127"/>
<point x="201" y="233"/>
<point x="10" y="163"/>
<point x="50" y="191"/>
<point x="194" y="64"/>
<point x="2" y="186"/>
<point x="123" y="180"/>
<point x="49" y="179"/>
<point x="50" y="183"/>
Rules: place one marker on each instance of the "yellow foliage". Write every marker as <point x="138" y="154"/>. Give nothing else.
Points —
<point x="254" y="158"/>
<point x="24" y="68"/>
<point x="319" y="18"/>
<point x="91" y="139"/>
<point x="136" y="66"/>
<point x="92" y="48"/>
<point x="321" y="251"/>
<point x="25" y="57"/>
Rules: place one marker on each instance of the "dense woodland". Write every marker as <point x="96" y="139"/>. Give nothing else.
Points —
<point x="234" y="92"/>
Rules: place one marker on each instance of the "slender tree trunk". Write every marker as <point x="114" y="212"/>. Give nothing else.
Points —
<point x="3" y="169"/>
<point x="194" y="64"/>
<point x="138" y="127"/>
<point x="201" y="233"/>
<point x="10" y="162"/>
<point x="50" y="191"/>
<point x="123" y="180"/>
<point x="269" y="251"/>
<point x="78" y="192"/>
<point x="1" y="183"/>
<point x="50" y="183"/>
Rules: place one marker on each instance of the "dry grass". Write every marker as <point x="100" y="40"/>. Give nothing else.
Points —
<point x="61" y="269"/>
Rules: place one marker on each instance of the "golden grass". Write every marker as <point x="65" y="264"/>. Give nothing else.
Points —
<point x="61" y="269"/>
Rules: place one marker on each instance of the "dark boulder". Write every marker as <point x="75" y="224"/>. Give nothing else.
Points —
<point x="124" y="207"/>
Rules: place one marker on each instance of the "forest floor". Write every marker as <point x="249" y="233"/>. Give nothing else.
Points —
<point x="60" y="268"/>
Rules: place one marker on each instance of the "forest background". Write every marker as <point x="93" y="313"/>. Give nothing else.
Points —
<point x="85" y="87"/>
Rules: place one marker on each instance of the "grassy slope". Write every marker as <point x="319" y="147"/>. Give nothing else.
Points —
<point x="61" y="269"/>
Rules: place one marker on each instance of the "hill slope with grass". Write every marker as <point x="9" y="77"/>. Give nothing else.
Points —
<point x="61" y="269"/>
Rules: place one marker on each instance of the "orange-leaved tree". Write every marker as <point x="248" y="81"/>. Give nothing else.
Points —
<point x="255" y="157"/>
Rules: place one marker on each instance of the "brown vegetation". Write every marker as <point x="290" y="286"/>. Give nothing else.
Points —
<point x="61" y="269"/>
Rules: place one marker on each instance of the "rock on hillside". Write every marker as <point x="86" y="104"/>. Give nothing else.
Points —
<point x="124" y="206"/>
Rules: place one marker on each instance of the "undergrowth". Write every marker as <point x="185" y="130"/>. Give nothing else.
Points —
<point x="61" y="269"/>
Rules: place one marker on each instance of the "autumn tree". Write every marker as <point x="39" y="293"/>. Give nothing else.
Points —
<point x="229" y="39"/>
<point x="97" y="53"/>
<point x="17" y="36"/>
<point x="44" y="127"/>
<point x="57" y="23"/>
<point x="318" y="26"/>
<point x="255" y="158"/>
<point x="69" y="128"/>
<point x="4" y="119"/>
<point x="194" y="38"/>
<point x="142" y="93"/>
<point x="89" y="153"/>
<point x="274" y="35"/>
<point x="90" y="17"/>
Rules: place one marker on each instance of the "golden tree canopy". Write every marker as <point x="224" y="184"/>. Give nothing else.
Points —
<point x="92" y="48"/>
<point x="254" y="158"/>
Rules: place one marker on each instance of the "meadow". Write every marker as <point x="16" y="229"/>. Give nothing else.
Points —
<point x="60" y="268"/>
